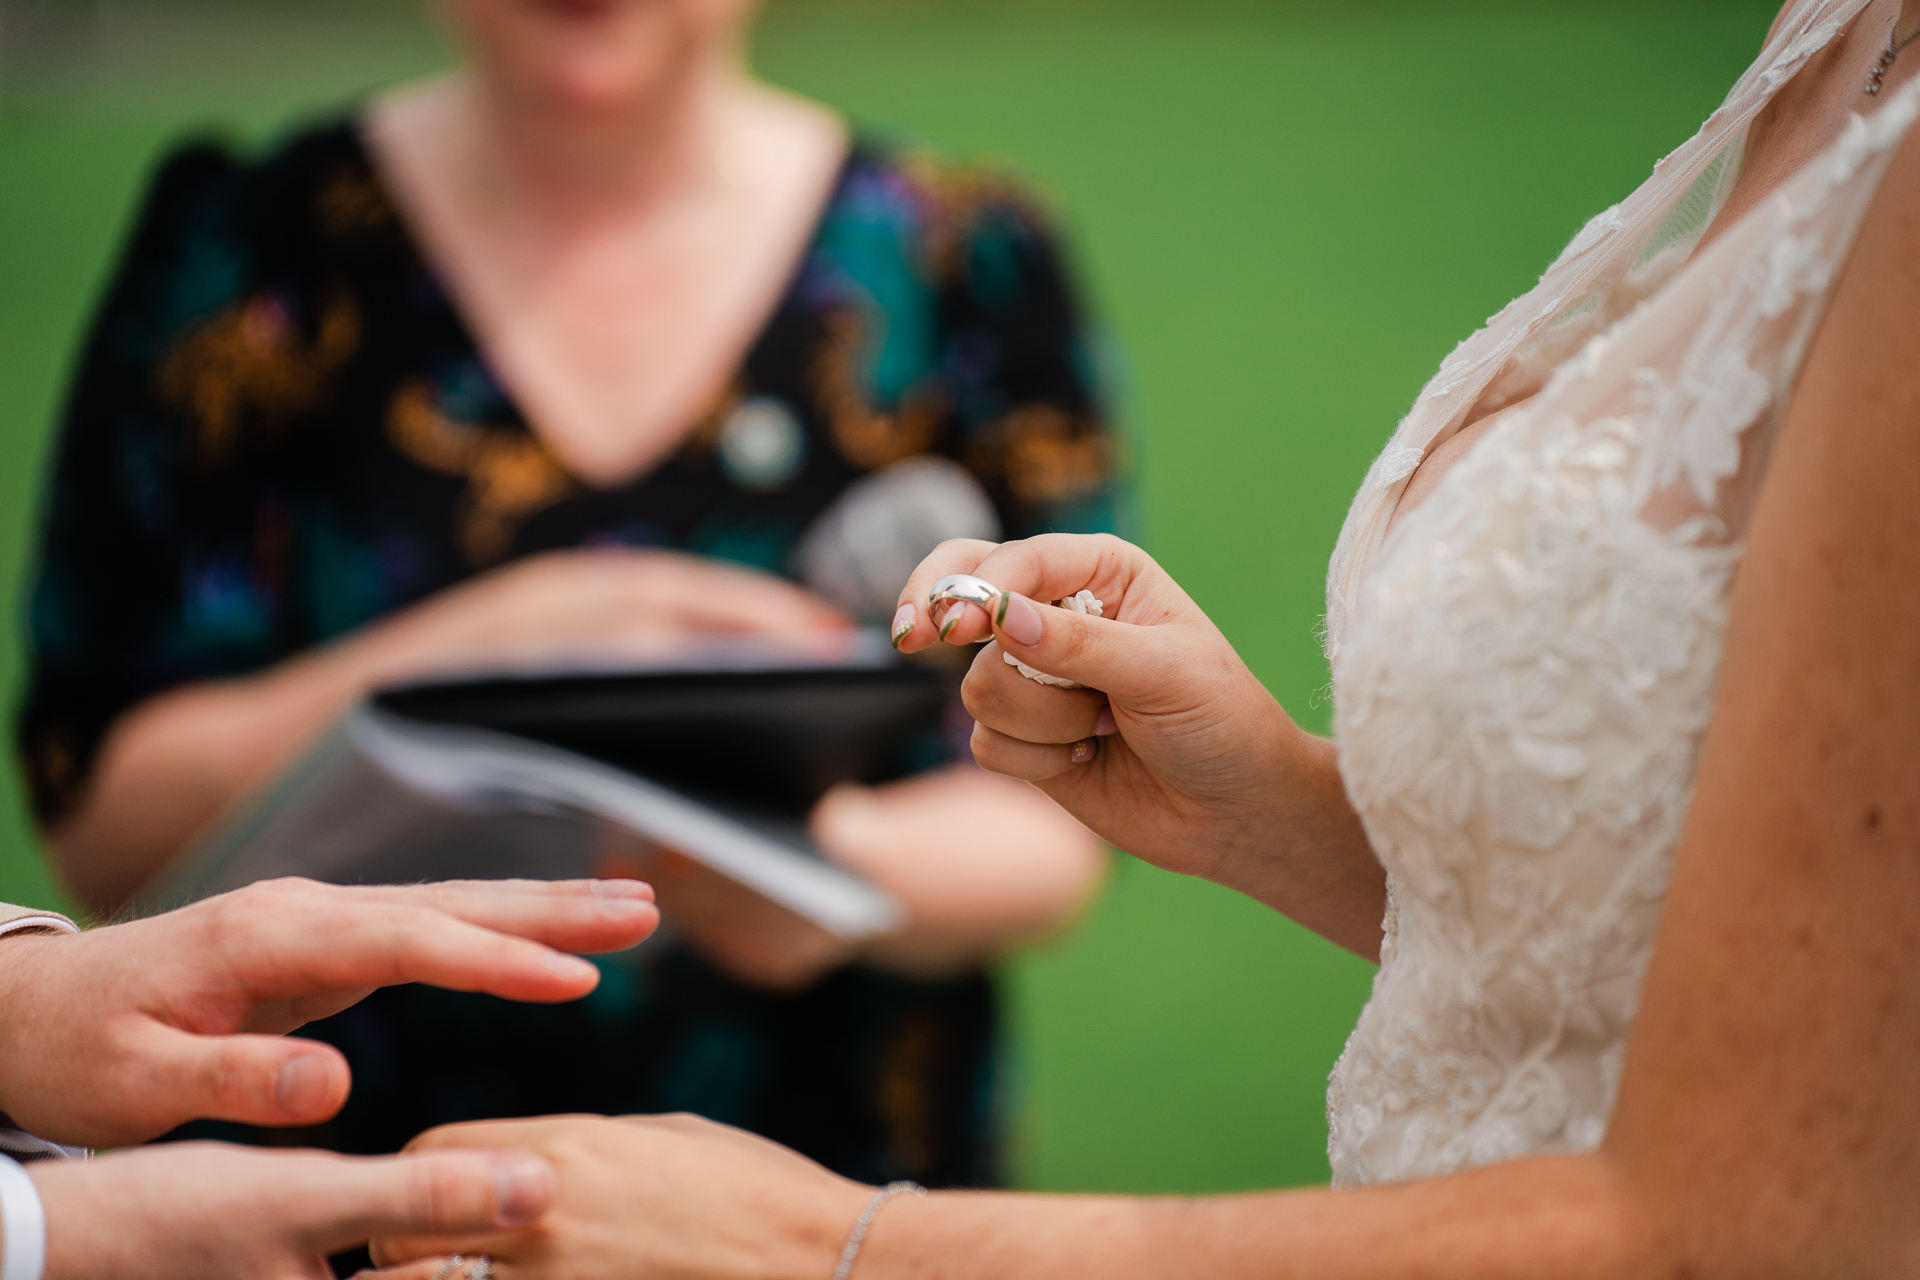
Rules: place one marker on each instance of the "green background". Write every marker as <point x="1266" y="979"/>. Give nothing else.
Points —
<point x="1287" y="214"/>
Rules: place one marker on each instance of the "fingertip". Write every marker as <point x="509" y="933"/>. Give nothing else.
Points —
<point x="618" y="891"/>
<point x="1104" y="725"/>
<point x="572" y="972"/>
<point x="311" y="1086"/>
<point x="523" y="1187"/>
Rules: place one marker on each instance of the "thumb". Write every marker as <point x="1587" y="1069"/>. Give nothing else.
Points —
<point x="348" y="1201"/>
<point x="264" y="1080"/>
<point x="1117" y="658"/>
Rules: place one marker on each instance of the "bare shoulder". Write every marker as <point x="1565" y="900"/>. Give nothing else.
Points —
<point x="1785" y="971"/>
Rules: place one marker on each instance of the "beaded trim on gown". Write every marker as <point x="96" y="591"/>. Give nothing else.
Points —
<point x="1524" y="666"/>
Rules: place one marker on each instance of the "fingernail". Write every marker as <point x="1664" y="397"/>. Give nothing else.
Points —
<point x="302" y="1085"/>
<point x="1085" y="750"/>
<point x="622" y="889"/>
<point x="902" y="624"/>
<point x="626" y="908"/>
<point x="954" y="613"/>
<point x="571" y="967"/>
<point x="1103" y="724"/>
<point x="1019" y="619"/>
<point x="522" y="1190"/>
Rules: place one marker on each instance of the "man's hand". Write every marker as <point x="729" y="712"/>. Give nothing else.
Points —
<point x="119" y="1034"/>
<point x="203" y="1211"/>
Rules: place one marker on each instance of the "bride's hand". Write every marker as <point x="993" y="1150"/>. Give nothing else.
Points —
<point x="649" y="1196"/>
<point x="1173" y="751"/>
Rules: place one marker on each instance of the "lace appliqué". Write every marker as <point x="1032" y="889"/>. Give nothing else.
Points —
<point x="1527" y="675"/>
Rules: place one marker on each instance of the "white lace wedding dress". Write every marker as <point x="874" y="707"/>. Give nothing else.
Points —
<point x="1523" y="668"/>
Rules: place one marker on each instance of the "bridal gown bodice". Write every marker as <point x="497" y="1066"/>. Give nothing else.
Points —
<point x="1524" y="663"/>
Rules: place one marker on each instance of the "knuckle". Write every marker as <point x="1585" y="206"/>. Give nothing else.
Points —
<point x="436" y="1192"/>
<point x="980" y="693"/>
<point x="984" y="746"/>
<point x="227" y="1080"/>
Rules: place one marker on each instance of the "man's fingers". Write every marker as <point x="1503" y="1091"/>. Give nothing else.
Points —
<point x="997" y="695"/>
<point x="396" y="1248"/>
<point x="263" y="1080"/>
<point x="1030" y="761"/>
<point x="570" y="915"/>
<point x="448" y="1194"/>
<point x="300" y="939"/>
<point x="394" y="945"/>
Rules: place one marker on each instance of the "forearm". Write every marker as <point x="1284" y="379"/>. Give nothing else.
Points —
<point x="1566" y="1218"/>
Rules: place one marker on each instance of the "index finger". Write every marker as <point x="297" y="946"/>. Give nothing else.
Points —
<point x="585" y="916"/>
<point x="294" y="939"/>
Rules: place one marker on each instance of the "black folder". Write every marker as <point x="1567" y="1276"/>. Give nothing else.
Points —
<point x="716" y="750"/>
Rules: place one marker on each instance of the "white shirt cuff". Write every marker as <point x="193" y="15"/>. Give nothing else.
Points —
<point x="23" y="1247"/>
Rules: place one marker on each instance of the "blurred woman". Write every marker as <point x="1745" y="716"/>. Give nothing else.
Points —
<point x="593" y="339"/>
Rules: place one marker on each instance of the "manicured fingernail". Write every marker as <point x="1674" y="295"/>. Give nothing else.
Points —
<point x="302" y="1085"/>
<point x="955" y="612"/>
<point x="902" y="624"/>
<point x="1019" y="619"/>
<point x="1103" y="724"/>
<point x="522" y="1190"/>
<point x="1085" y="750"/>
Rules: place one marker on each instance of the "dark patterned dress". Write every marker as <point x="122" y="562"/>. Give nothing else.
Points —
<point x="281" y="430"/>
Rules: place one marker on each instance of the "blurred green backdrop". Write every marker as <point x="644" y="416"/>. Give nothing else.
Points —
<point x="1287" y="213"/>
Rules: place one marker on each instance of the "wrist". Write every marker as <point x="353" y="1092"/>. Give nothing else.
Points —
<point x="863" y="1223"/>
<point x="1278" y="759"/>
<point x="25" y="967"/>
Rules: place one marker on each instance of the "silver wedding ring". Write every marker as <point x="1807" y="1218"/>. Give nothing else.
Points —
<point x="964" y="586"/>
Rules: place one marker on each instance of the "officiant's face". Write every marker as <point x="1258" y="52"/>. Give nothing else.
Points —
<point x="595" y="56"/>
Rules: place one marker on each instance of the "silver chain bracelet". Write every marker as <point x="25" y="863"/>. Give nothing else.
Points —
<point x="865" y="1220"/>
